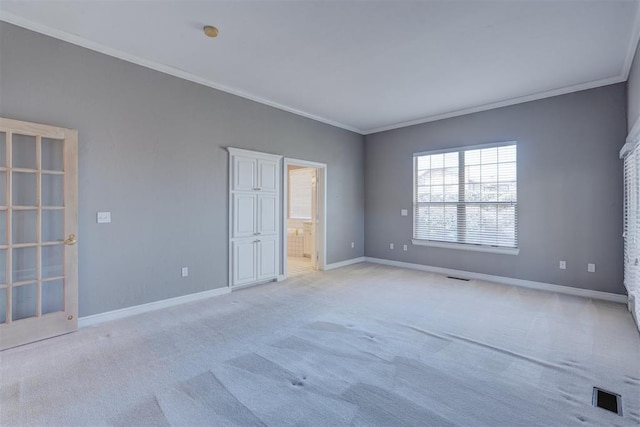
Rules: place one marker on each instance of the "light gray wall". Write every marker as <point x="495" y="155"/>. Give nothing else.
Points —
<point x="569" y="188"/>
<point x="633" y="91"/>
<point x="151" y="151"/>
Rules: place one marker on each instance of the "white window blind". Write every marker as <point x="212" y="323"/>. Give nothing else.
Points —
<point x="632" y="229"/>
<point x="300" y="185"/>
<point x="467" y="196"/>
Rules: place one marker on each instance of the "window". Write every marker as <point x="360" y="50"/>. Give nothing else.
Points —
<point x="300" y="193"/>
<point x="467" y="198"/>
<point x="631" y="154"/>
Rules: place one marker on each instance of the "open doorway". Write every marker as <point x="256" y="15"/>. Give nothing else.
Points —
<point x="304" y="218"/>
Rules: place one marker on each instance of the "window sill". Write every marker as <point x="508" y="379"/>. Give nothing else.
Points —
<point x="465" y="247"/>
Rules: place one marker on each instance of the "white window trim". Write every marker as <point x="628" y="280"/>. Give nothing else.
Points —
<point x="465" y="148"/>
<point x="455" y="245"/>
<point x="466" y="247"/>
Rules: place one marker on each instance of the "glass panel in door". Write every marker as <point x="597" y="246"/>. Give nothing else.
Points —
<point x="38" y="222"/>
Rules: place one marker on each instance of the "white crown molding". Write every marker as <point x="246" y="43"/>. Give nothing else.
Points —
<point x="81" y="41"/>
<point x="166" y="69"/>
<point x="566" y="290"/>
<point x="96" y="319"/>
<point x="505" y="103"/>
<point x="251" y="153"/>
<point x="622" y="77"/>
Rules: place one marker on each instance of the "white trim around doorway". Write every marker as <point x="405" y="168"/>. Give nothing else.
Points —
<point x="321" y="188"/>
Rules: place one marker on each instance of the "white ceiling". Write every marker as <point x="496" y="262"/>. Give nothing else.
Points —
<point x="361" y="65"/>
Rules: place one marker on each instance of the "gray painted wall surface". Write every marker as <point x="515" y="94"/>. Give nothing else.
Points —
<point x="151" y="151"/>
<point x="569" y="188"/>
<point x="633" y="91"/>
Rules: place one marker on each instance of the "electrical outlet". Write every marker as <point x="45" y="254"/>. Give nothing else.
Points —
<point x="185" y="271"/>
<point x="390" y="245"/>
<point x="404" y="248"/>
<point x="563" y="265"/>
<point x="353" y="245"/>
<point x="404" y="212"/>
<point x="103" y="217"/>
<point x="591" y="268"/>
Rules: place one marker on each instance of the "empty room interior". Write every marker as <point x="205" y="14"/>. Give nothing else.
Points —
<point x="379" y="213"/>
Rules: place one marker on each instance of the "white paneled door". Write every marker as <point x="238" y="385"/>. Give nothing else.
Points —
<point x="268" y="171"/>
<point x="267" y="214"/>
<point x="244" y="208"/>
<point x="244" y="173"/>
<point x="244" y="266"/>
<point x="254" y="217"/>
<point x="267" y="257"/>
<point x="38" y="232"/>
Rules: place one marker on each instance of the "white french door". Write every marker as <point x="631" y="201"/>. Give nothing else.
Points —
<point x="38" y="228"/>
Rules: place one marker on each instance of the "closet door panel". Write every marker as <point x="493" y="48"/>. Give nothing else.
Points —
<point x="267" y="249"/>
<point x="268" y="175"/>
<point x="244" y="261"/>
<point x="267" y="214"/>
<point x="244" y="173"/>
<point x="244" y="215"/>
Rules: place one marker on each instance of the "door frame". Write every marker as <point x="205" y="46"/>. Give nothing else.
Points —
<point x="42" y="326"/>
<point x="321" y="225"/>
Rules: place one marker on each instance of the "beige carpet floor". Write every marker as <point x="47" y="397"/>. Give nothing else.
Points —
<point x="361" y="345"/>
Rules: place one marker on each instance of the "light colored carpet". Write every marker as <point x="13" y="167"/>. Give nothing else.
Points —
<point x="362" y="345"/>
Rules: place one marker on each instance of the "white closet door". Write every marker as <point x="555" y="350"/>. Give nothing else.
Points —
<point x="267" y="175"/>
<point x="244" y="261"/>
<point x="244" y="215"/>
<point x="254" y="222"/>
<point x="267" y="214"/>
<point x="267" y="257"/>
<point x="244" y="173"/>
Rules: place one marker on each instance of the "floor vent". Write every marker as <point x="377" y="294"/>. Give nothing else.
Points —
<point x="607" y="400"/>
<point x="457" y="278"/>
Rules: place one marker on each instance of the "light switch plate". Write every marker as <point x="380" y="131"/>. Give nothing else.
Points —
<point x="404" y="212"/>
<point x="591" y="268"/>
<point x="103" y="217"/>
<point x="185" y="271"/>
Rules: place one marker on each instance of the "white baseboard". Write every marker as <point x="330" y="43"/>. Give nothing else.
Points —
<point x="568" y="290"/>
<point x="143" y="308"/>
<point x="344" y="263"/>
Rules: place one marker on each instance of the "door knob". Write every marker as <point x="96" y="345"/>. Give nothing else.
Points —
<point x="71" y="240"/>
